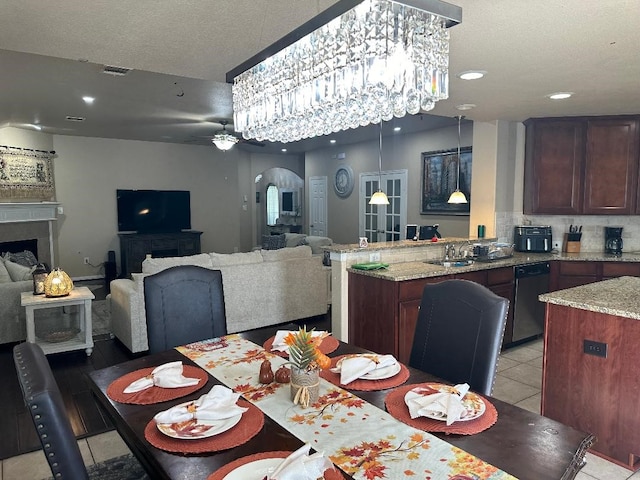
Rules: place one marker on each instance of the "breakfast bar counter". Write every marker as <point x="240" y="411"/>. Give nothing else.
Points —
<point x="591" y="354"/>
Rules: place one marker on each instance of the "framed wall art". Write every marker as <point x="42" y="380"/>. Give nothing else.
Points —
<point x="26" y="174"/>
<point x="439" y="178"/>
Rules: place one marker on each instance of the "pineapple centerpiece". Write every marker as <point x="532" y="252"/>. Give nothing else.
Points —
<point x="306" y="362"/>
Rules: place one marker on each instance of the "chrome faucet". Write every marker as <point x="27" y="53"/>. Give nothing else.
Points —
<point x="449" y="251"/>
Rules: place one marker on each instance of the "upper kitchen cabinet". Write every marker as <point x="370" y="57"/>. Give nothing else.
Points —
<point x="611" y="166"/>
<point x="582" y="165"/>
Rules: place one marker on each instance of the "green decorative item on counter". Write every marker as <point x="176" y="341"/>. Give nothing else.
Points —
<point x="370" y="266"/>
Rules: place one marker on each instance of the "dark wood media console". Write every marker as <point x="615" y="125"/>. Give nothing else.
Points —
<point x="134" y="247"/>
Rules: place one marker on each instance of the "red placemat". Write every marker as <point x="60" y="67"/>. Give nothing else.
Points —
<point x="115" y="391"/>
<point x="248" y="427"/>
<point x="230" y="467"/>
<point x="328" y="345"/>
<point x="399" y="410"/>
<point x="366" y="385"/>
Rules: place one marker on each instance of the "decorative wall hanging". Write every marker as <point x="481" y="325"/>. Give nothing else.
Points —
<point x="26" y="174"/>
<point x="439" y="172"/>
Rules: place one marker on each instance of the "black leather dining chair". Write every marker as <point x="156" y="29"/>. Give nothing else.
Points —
<point x="44" y="401"/>
<point x="459" y="333"/>
<point x="183" y="304"/>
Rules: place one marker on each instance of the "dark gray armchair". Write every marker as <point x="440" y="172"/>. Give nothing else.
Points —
<point x="459" y="333"/>
<point x="183" y="304"/>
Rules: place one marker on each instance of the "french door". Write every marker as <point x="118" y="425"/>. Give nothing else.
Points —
<point x="383" y="223"/>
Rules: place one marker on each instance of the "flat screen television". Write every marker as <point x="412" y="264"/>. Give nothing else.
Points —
<point x="153" y="211"/>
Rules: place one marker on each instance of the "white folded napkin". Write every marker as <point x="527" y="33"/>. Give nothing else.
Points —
<point x="168" y="375"/>
<point x="354" y="367"/>
<point x="218" y="404"/>
<point x="442" y="404"/>
<point x="278" y="341"/>
<point x="302" y="466"/>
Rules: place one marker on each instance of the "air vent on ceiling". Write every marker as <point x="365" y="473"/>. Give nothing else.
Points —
<point x="74" y="119"/>
<point x="118" y="71"/>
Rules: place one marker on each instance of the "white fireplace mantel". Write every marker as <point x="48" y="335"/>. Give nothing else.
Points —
<point x="28" y="212"/>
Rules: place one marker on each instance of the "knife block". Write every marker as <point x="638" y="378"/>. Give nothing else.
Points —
<point x="570" y="246"/>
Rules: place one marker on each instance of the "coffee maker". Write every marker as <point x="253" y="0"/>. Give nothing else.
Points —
<point x="613" y="240"/>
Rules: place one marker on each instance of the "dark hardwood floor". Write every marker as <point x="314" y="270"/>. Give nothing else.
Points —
<point x="87" y="417"/>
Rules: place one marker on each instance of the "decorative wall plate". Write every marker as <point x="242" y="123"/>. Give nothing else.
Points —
<point x="343" y="181"/>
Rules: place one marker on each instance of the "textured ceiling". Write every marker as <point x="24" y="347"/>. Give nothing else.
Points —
<point x="181" y="51"/>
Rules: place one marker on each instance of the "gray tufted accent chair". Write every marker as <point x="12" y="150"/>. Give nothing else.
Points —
<point x="43" y="399"/>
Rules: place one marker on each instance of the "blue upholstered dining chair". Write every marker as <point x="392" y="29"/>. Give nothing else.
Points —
<point x="459" y="333"/>
<point x="183" y="304"/>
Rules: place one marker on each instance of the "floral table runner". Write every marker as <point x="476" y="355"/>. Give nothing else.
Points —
<point x="361" y="439"/>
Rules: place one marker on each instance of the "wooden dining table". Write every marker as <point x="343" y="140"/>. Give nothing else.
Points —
<point x="521" y="443"/>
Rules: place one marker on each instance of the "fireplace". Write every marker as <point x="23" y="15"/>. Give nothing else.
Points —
<point x="29" y="226"/>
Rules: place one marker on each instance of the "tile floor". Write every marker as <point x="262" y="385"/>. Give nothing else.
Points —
<point x="518" y="382"/>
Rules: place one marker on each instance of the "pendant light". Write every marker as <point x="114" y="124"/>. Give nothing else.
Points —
<point x="457" y="196"/>
<point x="379" y="198"/>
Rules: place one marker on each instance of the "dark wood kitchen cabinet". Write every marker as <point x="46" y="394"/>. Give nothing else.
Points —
<point x="582" y="165"/>
<point x="573" y="273"/>
<point x="383" y="313"/>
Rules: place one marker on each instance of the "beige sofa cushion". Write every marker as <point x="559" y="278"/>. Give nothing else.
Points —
<point x="4" y="274"/>
<point x="294" y="239"/>
<point x="155" y="265"/>
<point x="229" y="259"/>
<point x="18" y="272"/>
<point x="303" y="251"/>
<point x="316" y="243"/>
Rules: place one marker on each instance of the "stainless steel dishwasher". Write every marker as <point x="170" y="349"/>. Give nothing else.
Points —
<point x="528" y="314"/>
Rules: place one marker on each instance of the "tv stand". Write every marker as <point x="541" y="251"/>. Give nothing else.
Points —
<point x="134" y="247"/>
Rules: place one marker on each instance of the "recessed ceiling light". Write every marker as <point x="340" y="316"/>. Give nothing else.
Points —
<point x="88" y="100"/>
<point x="283" y="150"/>
<point x="560" y="95"/>
<point x="466" y="106"/>
<point x="472" y="74"/>
<point x="332" y="140"/>
<point x="397" y="129"/>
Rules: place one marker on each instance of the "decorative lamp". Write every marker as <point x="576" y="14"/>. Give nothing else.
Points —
<point x="57" y="284"/>
<point x="356" y="63"/>
<point x="457" y="196"/>
<point x="39" y="276"/>
<point x="379" y="198"/>
<point x="223" y="139"/>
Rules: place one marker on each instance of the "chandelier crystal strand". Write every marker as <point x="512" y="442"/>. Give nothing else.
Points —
<point x="378" y="60"/>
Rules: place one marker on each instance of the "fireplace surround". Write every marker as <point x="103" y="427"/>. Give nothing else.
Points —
<point x="30" y="221"/>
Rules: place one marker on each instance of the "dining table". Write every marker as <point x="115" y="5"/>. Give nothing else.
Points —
<point x="522" y="444"/>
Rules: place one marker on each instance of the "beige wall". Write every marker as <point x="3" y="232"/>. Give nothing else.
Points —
<point x="399" y="152"/>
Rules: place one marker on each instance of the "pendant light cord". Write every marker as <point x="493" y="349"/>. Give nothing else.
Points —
<point x="380" y="159"/>
<point x="458" y="177"/>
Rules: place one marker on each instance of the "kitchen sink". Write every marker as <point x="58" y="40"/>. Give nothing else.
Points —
<point x="451" y="263"/>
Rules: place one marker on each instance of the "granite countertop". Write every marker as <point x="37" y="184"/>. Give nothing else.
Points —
<point x="400" y="272"/>
<point x="617" y="296"/>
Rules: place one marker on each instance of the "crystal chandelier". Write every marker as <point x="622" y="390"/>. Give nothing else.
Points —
<point x="377" y="60"/>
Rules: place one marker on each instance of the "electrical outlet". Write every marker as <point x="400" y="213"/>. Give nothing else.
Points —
<point x="591" y="347"/>
<point x="556" y="245"/>
<point x="374" y="257"/>
<point x="86" y="260"/>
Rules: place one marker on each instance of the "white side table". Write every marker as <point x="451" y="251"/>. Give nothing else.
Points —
<point x="81" y="296"/>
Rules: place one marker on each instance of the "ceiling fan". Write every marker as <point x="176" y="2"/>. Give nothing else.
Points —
<point x="225" y="140"/>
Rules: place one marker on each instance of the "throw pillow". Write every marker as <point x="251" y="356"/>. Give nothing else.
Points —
<point x="25" y="258"/>
<point x="316" y="243"/>
<point x="4" y="275"/>
<point x="18" y="272"/>
<point x="274" y="242"/>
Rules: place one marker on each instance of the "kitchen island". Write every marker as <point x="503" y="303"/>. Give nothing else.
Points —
<point x="591" y="353"/>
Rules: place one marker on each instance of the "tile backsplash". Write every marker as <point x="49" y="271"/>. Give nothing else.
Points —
<point x="592" y="228"/>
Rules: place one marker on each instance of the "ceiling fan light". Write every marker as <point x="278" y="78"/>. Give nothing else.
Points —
<point x="224" y="141"/>
<point x="379" y="198"/>
<point x="457" y="197"/>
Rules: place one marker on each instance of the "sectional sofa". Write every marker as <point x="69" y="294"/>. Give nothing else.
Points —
<point x="261" y="288"/>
